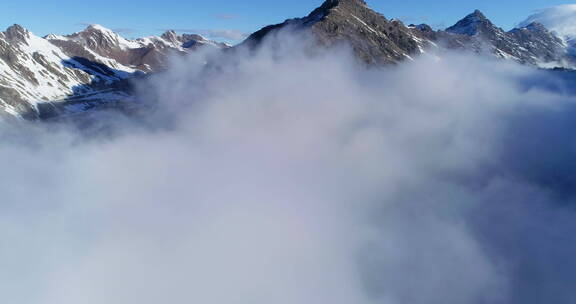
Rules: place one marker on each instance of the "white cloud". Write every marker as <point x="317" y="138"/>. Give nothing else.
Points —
<point x="276" y="177"/>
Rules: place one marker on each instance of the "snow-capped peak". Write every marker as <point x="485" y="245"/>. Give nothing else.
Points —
<point x="99" y="27"/>
<point x="86" y="65"/>
<point x="169" y="35"/>
<point x="96" y="33"/>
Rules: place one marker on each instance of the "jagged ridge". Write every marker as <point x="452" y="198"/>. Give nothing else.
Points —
<point x="377" y="40"/>
<point x="35" y="70"/>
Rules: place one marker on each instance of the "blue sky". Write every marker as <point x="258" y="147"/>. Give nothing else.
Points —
<point x="145" y="17"/>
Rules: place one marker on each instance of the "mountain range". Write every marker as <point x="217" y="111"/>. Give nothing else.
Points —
<point x="91" y="66"/>
<point x="53" y="75"/>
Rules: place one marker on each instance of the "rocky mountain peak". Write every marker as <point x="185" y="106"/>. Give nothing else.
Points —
<point x="99" y="30"/>
<point x="170" y="35"/>
<point x="101" y="40"/>
<point x="372" y="37"/>
<point x="473" y="24"/>
<point x="95" y="30"/>
<point x="17" y="32"/>
<point x="97" y="27"/>
<point x="478" y="15"/>
<point x="330" y="5"/>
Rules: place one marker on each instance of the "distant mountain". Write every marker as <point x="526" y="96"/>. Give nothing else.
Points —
<point x="378" y="40"/>
<point x="86" y="67"/>
<point x="145" y="54"/>
<point x="559" y="19"/>
<point x="531" y="44"/>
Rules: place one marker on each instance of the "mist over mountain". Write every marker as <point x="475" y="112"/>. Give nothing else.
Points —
<point x="69" y="75"/>
<point x="342" y="157"/>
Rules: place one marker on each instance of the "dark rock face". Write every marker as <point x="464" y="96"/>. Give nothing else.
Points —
<point x="374" y="38"/>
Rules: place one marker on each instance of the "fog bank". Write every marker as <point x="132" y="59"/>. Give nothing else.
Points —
<point x="285" y="177"/>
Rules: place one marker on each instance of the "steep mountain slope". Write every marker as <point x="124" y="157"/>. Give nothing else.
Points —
<point x="374" y="38"/>
<point x="89" y="66"/>
<point x="33" y="70"/>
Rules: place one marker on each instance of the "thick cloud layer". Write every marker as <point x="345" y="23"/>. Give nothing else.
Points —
<point x="284" y="177"/>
